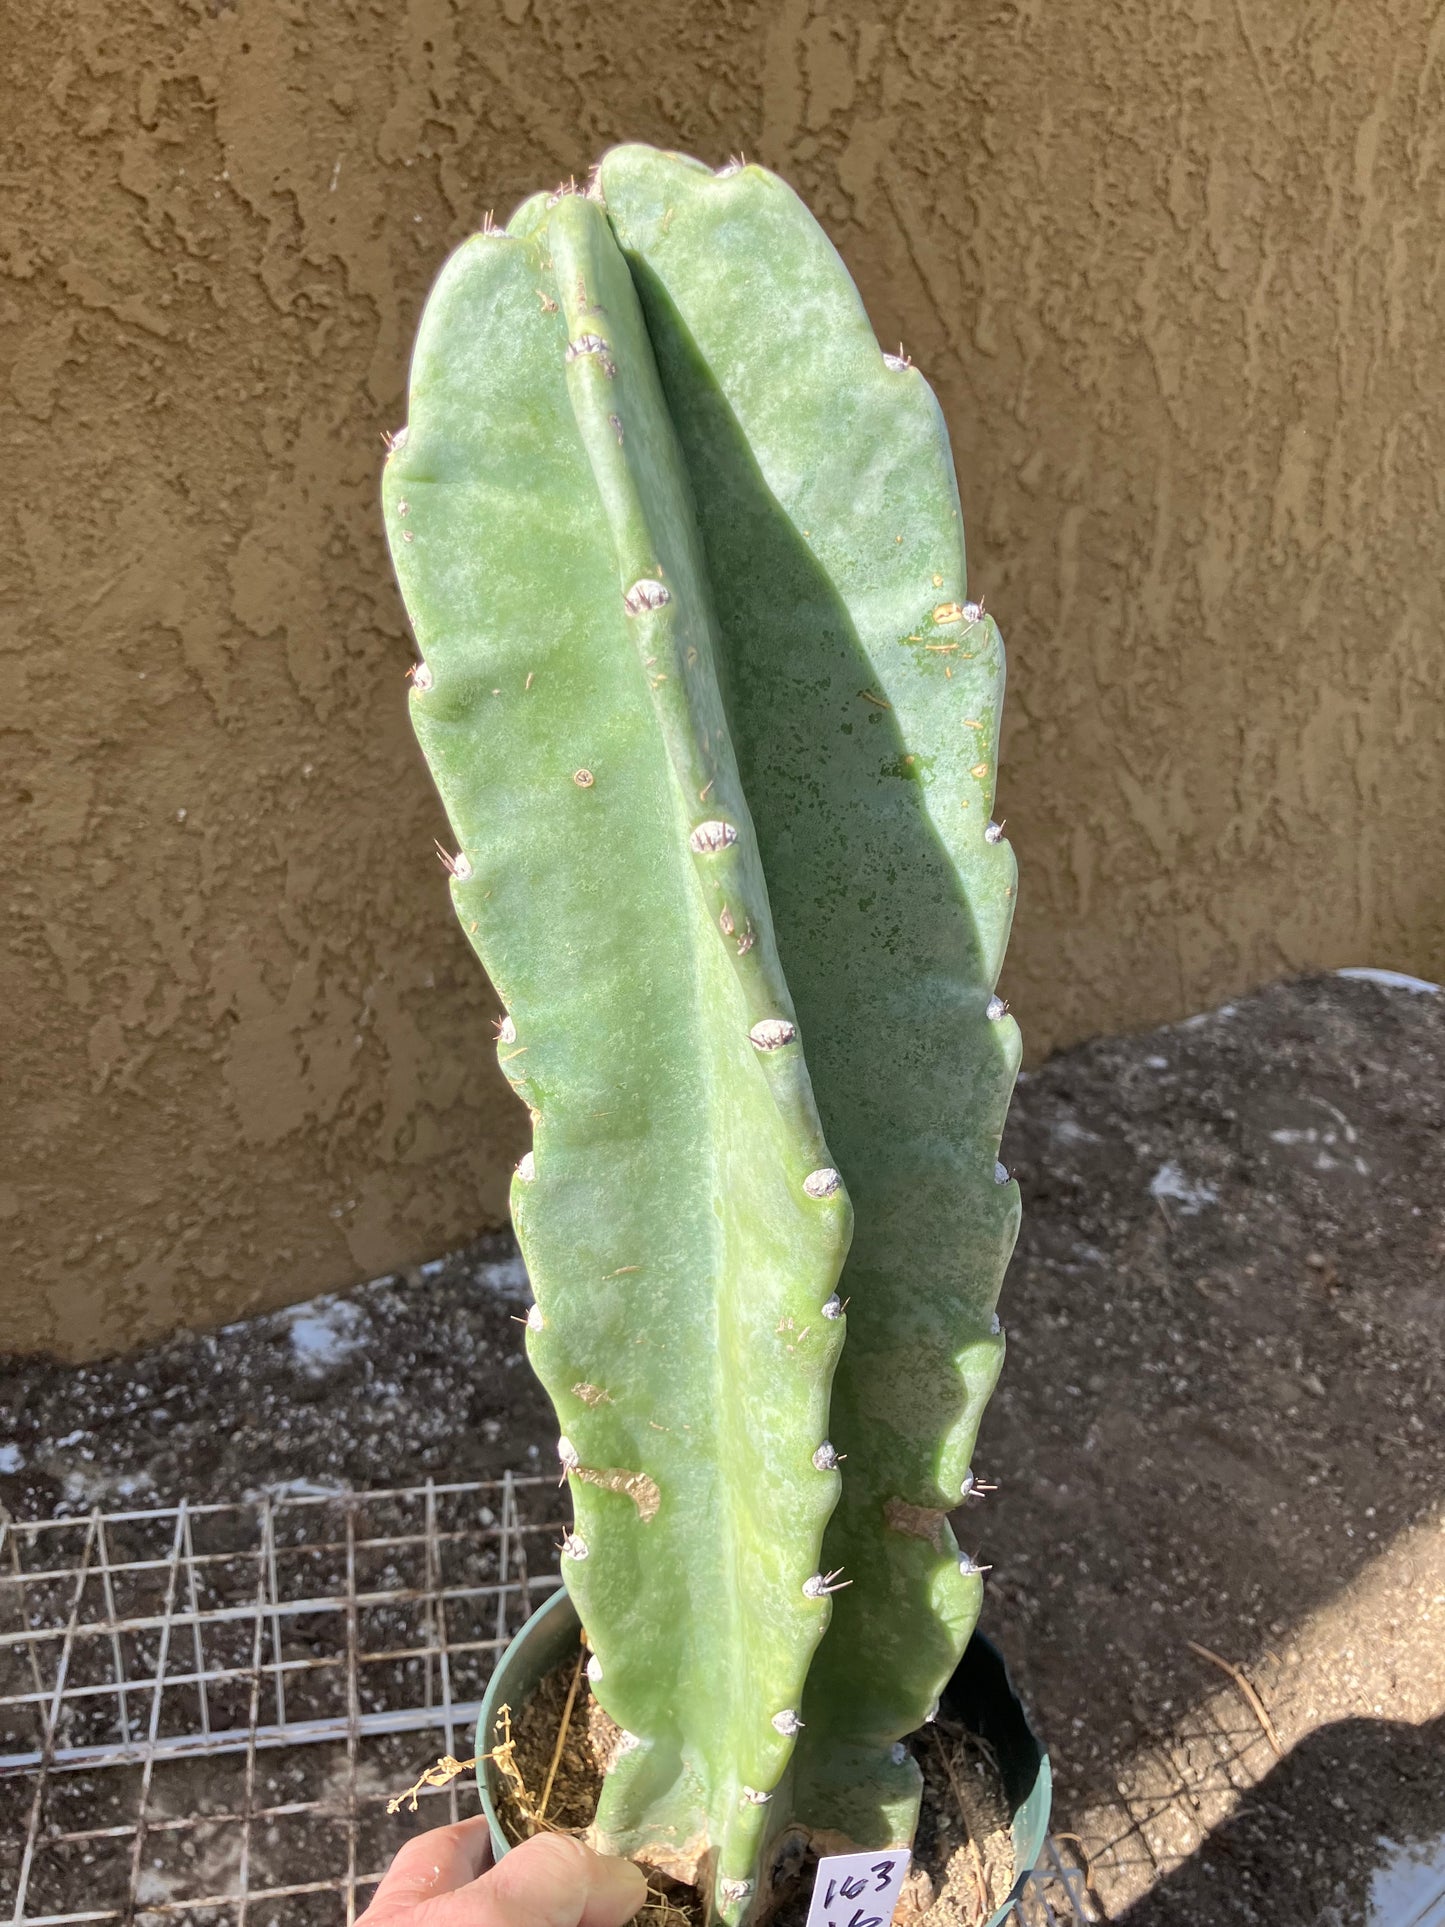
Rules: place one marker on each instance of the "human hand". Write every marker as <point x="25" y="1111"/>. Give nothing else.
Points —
<point x="445" y="1879"/>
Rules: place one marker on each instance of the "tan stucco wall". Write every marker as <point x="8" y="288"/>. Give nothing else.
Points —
<point x="1175" y="272"/>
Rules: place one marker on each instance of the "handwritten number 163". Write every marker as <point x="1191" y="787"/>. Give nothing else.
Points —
<point x="851" y="1888"/>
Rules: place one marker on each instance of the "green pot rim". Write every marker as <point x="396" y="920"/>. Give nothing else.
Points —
<point x="980" y="1692"/>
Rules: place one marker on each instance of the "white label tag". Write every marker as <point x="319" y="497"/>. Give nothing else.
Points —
<point x="858" y="1889"/>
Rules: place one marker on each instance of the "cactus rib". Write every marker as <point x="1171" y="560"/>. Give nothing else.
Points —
<point x="831" y="525"/>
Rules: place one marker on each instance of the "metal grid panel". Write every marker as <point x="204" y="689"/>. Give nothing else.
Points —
<point x="204" y="1709"/>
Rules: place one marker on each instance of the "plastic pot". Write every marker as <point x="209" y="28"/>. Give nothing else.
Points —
<point x="979" y="1696"/>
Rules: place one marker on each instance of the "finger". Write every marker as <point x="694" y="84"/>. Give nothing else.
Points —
<point x="550" y="1880"/>
<point x="433" y="1863"/>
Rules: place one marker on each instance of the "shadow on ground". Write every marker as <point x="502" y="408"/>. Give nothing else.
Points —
<point x="1381" y="1783"/>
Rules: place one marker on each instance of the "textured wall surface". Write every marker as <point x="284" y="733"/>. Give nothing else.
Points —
<point x="1175" y="269"/>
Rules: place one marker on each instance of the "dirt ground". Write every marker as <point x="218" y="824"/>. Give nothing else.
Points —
<point x="1218" y="1442"/>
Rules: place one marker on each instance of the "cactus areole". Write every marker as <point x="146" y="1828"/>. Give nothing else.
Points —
<point x="716" y="727"/>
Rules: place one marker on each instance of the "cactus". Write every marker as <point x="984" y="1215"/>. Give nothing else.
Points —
<point x="683" y="556"/>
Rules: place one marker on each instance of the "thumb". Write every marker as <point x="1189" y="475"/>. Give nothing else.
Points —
<point x="432" y="1863"/>
<point x="551" y="1880"/>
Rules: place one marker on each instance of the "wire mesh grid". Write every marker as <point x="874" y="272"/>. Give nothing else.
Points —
<point x="204" y="1709"/>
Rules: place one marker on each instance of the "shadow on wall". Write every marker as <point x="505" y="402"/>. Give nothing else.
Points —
<point x="1349" y="1827"/>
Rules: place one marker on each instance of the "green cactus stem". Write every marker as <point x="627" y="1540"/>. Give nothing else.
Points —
<point x="683" y="553"/>
<point x="864" y="693"/>
<point x="679" y="1211"/>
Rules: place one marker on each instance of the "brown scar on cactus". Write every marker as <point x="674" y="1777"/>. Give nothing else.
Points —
<point x="640" y="1487"/>
<point x="918" y="1521"/>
